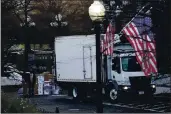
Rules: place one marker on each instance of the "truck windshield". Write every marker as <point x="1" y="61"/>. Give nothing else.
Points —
<point x="130" y="64"/>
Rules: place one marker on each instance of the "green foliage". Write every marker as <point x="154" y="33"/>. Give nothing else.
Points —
<point x="11" y="104"/>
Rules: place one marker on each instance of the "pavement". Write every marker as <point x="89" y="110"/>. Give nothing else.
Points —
<point x="65" y="104"/>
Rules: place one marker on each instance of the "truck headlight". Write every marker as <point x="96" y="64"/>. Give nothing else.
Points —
<point x="125" y="88"/>
<point x="153" y="86"/>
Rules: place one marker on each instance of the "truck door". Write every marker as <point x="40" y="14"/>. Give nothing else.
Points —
<point x="116" y="68"/>
<point x="109" y="67"/>
<point x="87" y="62"/>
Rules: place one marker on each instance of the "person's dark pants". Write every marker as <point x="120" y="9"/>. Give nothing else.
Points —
<point x="27" y="84"/>
<point x="33" y="84"/>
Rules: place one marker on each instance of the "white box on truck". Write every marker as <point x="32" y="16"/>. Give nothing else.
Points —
<point x="75" y="58"/>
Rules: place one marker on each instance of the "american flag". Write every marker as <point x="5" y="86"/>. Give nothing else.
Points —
<point x="108" y="38"/>
<point x="138" y="32"/>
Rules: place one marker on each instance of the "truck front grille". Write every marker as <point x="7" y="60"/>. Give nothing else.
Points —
<point x="140" y="83"/>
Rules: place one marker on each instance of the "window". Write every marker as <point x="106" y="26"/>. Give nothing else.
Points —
<point x="116" y="64"/>
<point x="130" y="64"/>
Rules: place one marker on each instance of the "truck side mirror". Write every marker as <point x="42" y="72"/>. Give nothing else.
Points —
<point x="118" y="69"/>
<point x="116" y="65"/>
<point x="113" y="66"/>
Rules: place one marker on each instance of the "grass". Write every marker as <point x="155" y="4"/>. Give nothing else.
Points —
<point x="11" y="103"/>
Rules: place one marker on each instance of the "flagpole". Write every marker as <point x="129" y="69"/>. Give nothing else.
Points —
<point x="111" y="43"/>
<point x="132" y="19"/>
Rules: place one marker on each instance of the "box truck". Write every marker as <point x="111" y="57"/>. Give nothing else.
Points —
<point x="75" y="60"/>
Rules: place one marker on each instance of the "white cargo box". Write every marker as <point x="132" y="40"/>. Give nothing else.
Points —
<point x="75" y="58"/>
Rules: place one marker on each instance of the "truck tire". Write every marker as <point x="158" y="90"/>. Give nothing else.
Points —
<point x="113" y="95"/>
<point x="112" y="92"/>
<point x="75" y="94"/>
<point x="78" y="94"/>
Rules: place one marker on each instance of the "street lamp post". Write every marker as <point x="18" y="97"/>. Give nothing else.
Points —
<point x="97" y="13"/>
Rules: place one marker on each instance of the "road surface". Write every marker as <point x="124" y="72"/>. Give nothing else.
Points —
<point x="159" y="104"/>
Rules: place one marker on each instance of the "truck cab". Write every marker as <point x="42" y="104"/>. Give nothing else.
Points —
<point x="127" y="72"/>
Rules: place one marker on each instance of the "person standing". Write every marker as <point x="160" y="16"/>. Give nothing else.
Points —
<point x="26" y="84"/>
<point x="33" y="80"/>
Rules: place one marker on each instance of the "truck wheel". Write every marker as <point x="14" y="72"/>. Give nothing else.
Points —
<point x="113" y="95"/>
<point x="112" y="91"/>
<point x="78" y="94"/>
<point x="75" y="93"/>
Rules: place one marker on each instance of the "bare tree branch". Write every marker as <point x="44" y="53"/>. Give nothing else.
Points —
<point x="18" y="17"/>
